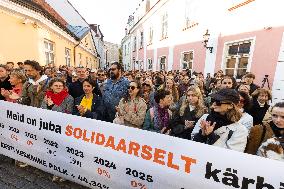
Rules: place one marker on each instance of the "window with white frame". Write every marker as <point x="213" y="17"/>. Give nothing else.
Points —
<point x="151" y="32"/>
<point x="150" y="64"/>
<point x="164" y="26"/>
<point x="237" y="58"/>
<point x="134" y="44"/>
<point x="67" y="56"/>
<point x="49" y="52"/>
<point x="163" y="63"/>
<point x="141" y="39"/>
<point x="187" y="60"/>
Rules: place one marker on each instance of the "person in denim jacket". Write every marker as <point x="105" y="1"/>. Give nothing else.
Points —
<point x="115" y="89"/>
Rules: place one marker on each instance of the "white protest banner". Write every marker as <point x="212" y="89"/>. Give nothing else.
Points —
<point x="104" y="155"/>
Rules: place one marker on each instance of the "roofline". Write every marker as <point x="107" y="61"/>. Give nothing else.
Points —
<point x="78" y="13"/>
<point x="37" y="8"/>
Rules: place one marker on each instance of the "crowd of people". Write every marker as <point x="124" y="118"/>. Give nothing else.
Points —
<point x="218" y="110"/>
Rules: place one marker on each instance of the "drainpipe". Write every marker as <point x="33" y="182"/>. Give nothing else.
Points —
<point x="74" y="51"/>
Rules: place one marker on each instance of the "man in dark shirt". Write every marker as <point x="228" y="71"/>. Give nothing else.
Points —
<point x="248" y="79"/>
<point x="76" y="88"/>
<point x="4" y="81"/>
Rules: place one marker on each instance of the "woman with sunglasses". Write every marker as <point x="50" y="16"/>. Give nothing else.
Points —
<point x="191" y="110"/>
<point x="147" y="92"/>
<point x="268" y="135"/>
<point x="131" y="109"/>
<point x="89" y="105"/>
<point x="221" y="127"/>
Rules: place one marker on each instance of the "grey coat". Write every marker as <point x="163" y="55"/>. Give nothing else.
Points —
<point x="65" y="107"/>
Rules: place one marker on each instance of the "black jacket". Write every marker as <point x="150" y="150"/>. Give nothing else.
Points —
<point x="76" y="89"/>
<point x="97" y="109"/>
<point x="5" y="85"/>
<point x="258" y="112"/>
<point x="177" y="124"/>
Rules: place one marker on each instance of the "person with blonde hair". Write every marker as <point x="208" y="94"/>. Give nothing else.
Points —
<point x="192" y="108"/>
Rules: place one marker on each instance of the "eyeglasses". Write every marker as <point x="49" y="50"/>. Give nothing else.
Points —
<point x="131" y="87"/>
<point x="219" y="103"/>
<point x="101" y="74"/>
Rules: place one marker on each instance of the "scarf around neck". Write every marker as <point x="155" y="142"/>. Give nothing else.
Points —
<point x="278" y="132"/>
<point x="221" y="120"/>
<point x="161" y="117"/>
<point x="57" y="98"/>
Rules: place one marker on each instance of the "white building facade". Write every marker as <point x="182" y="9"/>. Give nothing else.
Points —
<point x="245" y="36"/>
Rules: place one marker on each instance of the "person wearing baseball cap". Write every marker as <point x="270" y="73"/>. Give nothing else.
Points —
<point x="221" y="127"/>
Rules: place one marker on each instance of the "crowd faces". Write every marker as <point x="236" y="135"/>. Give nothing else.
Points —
<point x="217" y="111"/>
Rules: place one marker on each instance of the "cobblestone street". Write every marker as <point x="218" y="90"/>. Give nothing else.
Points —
<point x="12" y="177"/>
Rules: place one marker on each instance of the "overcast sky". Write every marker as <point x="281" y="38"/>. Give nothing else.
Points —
<point x="112" y="15"/>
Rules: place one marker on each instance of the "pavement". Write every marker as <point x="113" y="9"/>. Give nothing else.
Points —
<point x="12" y="177"/>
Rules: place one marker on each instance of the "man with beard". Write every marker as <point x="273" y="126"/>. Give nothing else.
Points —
<point x="4" y="81"/>
<point x="115" y="89"/>
<point x="34" y="89"/>
<point x="76" y="88"/>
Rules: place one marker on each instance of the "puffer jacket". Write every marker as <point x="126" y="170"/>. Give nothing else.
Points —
<point x="233" y="136"/>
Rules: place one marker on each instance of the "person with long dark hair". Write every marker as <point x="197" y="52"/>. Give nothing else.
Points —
<point x="89" y="104"/>
<point x="274" y="130"/>
<point x="132" y="108"/>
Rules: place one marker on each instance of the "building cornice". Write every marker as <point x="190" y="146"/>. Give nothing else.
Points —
<point x="24" y="12"/>
<point x="153" y="9"/>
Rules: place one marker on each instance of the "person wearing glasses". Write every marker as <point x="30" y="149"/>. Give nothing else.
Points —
<point x="273" y="148"/>
<point x="57" y="97"/>
<point x="192" y="108"/>
<point x="115" y="89"/>
<point x="221" y="127"/>
<point x="132" y="108"/>
<point x="147" y="92"/>
<point x="101" y="78"/>
<point x="266" y="140"/>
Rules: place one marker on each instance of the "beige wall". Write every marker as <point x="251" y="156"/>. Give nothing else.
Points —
<point x="19" y="42"/>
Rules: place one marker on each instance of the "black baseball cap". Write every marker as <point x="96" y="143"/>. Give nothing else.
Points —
<point x="226" y="95"/>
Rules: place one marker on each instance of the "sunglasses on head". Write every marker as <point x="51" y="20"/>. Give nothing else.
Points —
<point x="131" y="87"/>
<point x="218" y="102"/>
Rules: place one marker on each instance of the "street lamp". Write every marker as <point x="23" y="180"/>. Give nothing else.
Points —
<point x="206" y="39"/>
